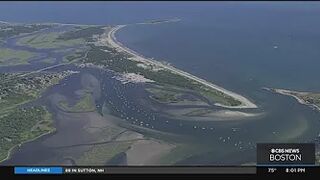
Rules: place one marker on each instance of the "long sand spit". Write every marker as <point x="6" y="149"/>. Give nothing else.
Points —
<point x="109" y="39"/>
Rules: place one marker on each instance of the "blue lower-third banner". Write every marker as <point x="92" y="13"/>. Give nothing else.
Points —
<point x="38" y="170"/>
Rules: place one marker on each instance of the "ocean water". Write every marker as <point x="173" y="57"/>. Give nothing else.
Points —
<point x="234" y="44"/>
<point x="226" y="42"/>
<point x="241" y="46"/>
<point x="244" y="47"/>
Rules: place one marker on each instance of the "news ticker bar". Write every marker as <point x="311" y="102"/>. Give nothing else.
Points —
<point x="240" y="170"/>
<point x="134" y="170"/>
<point x="272" y="158"/>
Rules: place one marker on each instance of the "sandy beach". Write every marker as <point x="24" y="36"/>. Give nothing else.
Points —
<point x="220" y="115"/>
<point x="109" y="39"/>
<point x="147" y="152"/>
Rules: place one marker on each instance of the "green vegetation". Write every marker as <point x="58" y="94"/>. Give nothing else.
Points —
<point x="17" y="124"/>
<point x="307" y="98"/>
<point x="21" y="125"/>
<point x="110" y="58"/>
<point x="83" y="32"/>
<point x="164" y="96"/>
<point x="48" y="60"/>
<point x="311" y="98"/>
<point x="119" y="62"/>
<point x="16" y="89"/>
<point x="48" y="41"/>
<point x="85" y="104"/>
<point x="75" y="56"/>
<point x="218" y="96"/>
<point x="13" y="30"/>
<point x="100" y="154"/>
<point x="10" y="57"/>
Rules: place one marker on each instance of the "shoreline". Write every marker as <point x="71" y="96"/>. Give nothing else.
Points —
<point x="113" y="42"/>
<point x="22" y="143"/>
<point x="199" y="114"/>
<point x="290" y="93"/>
<point x="47" y="23"/>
